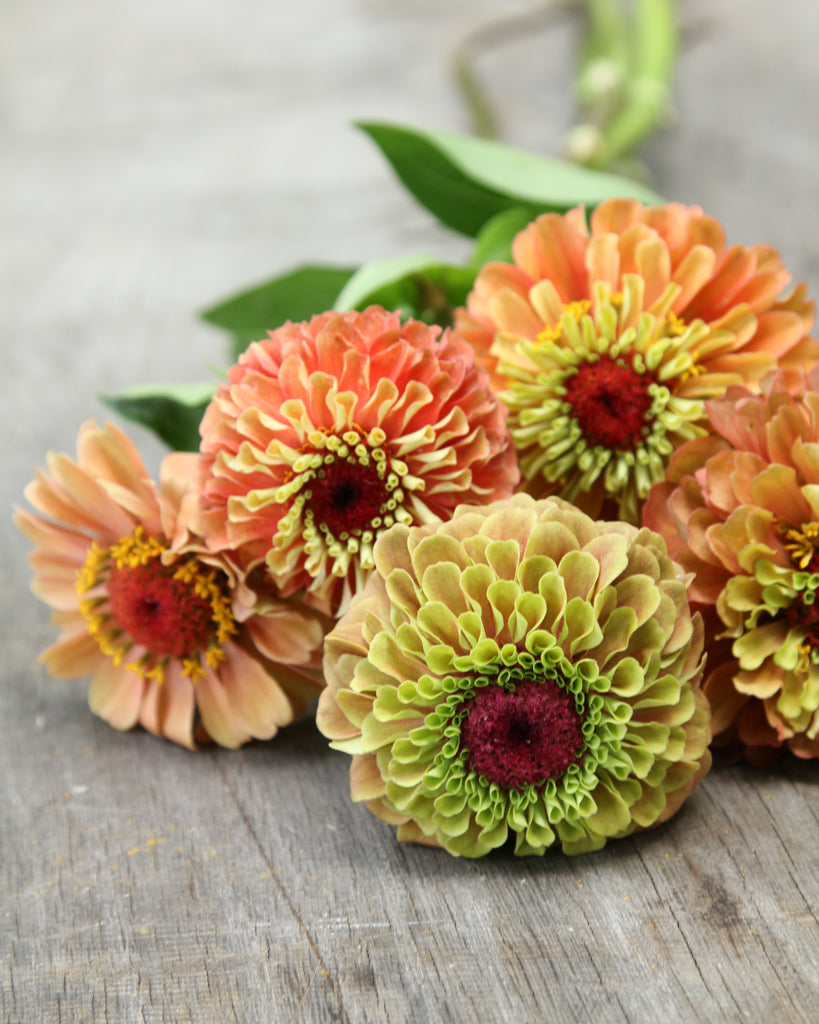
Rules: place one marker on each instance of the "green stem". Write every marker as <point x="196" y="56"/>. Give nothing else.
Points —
<point x="488" y="36"/>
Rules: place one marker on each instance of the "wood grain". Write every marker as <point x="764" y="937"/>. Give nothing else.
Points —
<point x="156" y="157"/>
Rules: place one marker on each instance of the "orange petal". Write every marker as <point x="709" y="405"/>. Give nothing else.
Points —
<point x="554" y="248"/>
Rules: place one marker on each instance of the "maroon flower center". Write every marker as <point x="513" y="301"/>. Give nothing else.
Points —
<point x="347" y="496"/>
<point x="527" y="735"/>
<point x="163" y="614"/>
<point x="805" y="617"/>
<point x="610" y="400"/>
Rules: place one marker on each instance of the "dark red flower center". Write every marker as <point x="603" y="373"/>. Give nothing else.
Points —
<point x="610" y="400"/>
<point x="163" y="614"/>
<point x="527" y="735"/>
<point x="805" y="617"/>
<point x="347" y="496"/>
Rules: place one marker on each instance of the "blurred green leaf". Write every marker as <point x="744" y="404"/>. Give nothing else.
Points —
<point x="419" y="286"/>
<point x="465" y="181"/>
<point x="297" y="295"/>
<point x="494" y="241"/>
<point x="172" y="411"/>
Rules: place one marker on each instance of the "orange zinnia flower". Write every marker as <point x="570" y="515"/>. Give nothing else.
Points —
<point x="329" y="432"/>
<point x="604" y="341"/>
<point x="559" y="259"/>
<point x="170" y="633"/>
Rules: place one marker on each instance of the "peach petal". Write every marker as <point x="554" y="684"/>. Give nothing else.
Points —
<point x="110" y="457"/>
<point x="513" y="315"/>
<point x="603" y="260"/>
<point x="691" y="274"/>
<point x="366" y="782"/>
<point x="217" y="714"/>
<point x="74" y="656"/>
<point x="777" y="490"/>
<point x="286" y="634"/>
<point x="258" y="703"/>
<point x="797" y="303"/>
<point x="776" y="334"/>
<point x="50" y="496"/>
<point x="614" y="216"/>
<point x="654" y="266"/>
<point x="116" y="695"/>
<point x="719" y="294"/>
<point x="53" y="539"/>
<point x="554" y="248"/>
<point x="168" y="708"/>
<point x="546" y="302"/>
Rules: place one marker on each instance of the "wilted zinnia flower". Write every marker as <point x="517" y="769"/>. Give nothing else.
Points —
<point x="604" y="343"/>
<point x="329" y="432"/>
<point x="171" y="634"/>
<point x="519" y="670"/>
<point x="740" y="510"/>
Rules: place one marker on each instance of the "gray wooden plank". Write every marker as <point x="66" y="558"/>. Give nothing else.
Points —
<point x="154" y="157"/>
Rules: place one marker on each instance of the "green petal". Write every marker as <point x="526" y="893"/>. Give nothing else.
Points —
<point x="580" y="572"/>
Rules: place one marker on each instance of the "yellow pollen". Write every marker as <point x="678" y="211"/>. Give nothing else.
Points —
<point x="139" y="550"/>
<point x="695" y="369"/>
<point x="802" y="544"/>
<point x="675" y="326"/>
<point x="576" y="309"/>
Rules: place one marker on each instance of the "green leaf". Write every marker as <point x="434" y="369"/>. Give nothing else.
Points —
<point x="172" y="411"/>
<point x="419" y="286"/>
<point x="297" y="295"/>
<point x="494" y="241"/>
<point x="464" y="181"/>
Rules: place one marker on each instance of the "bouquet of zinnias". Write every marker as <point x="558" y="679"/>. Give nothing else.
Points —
<point x="501" y="519"/>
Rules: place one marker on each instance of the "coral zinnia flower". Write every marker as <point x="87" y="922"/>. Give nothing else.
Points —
<point x="519" y="669"/>
<point x="585" y="413"/>
<point x="171" y="635"/>
<point x="677" y="250"/>
<point x="740" y="510"/>
<point x="330" y="431"/>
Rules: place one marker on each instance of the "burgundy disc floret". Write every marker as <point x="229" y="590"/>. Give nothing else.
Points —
<point x="526" y="735"/>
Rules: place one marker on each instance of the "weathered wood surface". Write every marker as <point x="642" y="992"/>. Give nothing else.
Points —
<point x="155" y="156"/>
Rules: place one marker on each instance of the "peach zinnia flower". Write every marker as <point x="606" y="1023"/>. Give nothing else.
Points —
<point x="604" y="341"/>
<point x="171" y="634"/>
<point x="329" y="432"/>
<point x="740" y="511"/>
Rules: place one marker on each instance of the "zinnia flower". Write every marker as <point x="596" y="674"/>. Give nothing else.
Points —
<point x="740" y="510"/>
<point x="604" y="343"/>
<point x="677" y="250"/>
<point x="329" y="432"/>
<point x="519" y="670"/>
<point x="171" y="634"/>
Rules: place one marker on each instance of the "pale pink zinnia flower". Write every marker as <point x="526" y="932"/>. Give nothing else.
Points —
<point x="170" y="633"/>
<point x="329" y="432"/>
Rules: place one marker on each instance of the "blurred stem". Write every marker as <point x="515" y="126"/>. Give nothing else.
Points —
<point x="623" y="78"/>
<point x="652" y="40"/>
<point x="487" y="36"/>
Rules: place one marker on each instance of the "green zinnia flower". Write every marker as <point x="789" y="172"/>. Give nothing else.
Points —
<point x="519" y="669"/>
